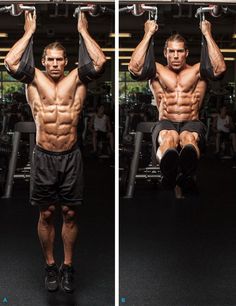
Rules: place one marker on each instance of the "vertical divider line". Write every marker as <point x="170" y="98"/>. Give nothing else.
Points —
<point x="116" y="153"/>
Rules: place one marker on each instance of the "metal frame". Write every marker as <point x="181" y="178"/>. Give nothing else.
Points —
<point x="20" y="127"/>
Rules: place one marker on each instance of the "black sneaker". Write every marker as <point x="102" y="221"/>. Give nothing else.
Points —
<point x="67" y="279"/>
<point x="52" y="277"/>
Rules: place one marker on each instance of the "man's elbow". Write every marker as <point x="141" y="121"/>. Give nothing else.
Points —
<point x="102" y="61"/>
<point x="9" y="64"/>
<point x="133" y="69"/>
<point x="220" y="69"/>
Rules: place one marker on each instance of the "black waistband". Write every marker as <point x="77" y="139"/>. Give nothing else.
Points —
<point x="73" y="148"/>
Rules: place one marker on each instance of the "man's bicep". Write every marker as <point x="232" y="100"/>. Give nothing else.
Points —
<point x="196" y="67"/>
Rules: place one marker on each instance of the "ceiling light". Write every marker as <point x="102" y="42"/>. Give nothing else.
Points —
<point x="2" y="57"/>
<point x="120" y="49"/>
<point x="108" y="49"/>
<point x="3" y="35"/>
<point x="120" y="35"/>
<point x="234" y="35"/>
<point x="4" y="49"/>
<point x="124" y="57"/>
<point x="124" y="64"/>
<point x="228" y="50"/>
<point x="230" y="58"/>
<point x="126" y="49"/>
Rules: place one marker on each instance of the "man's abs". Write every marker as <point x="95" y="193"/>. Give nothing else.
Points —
<point x="56" y="131"/>
<point x="179" y="109"/>
<point x="56" y="119"/>
<point x="179" y="103"/>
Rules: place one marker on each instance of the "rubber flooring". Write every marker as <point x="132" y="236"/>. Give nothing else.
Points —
<point x="21" y="259"/>
<point x="181" y="252"/>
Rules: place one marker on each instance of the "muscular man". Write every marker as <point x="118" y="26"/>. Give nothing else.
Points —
<point x="56" y="101"/>
<point x="178" y="90"/>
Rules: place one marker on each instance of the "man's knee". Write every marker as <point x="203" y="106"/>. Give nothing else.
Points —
<point x="46" y="214"/>
<point x="188" y="138"/>
<point x="168" y="137"/>
<point x="69" y="214"/>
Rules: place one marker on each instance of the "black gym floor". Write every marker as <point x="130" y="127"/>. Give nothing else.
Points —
<point x="181" y="252"/>
<point x="21" y="260"/>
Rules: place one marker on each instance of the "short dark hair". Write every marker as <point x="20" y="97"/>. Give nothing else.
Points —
<point x="55" y="45"/>
<point x="176" y="37"/>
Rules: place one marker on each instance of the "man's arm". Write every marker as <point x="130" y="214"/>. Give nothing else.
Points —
<point x="216" y="57"/>
<point x="95" y="52"/>
<point x="12" y="59"/>
<point x="91" y="124"/>
<point x="138" y="57"/>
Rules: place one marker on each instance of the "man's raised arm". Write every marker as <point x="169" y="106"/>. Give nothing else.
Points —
<point x="13" y="57"/>
<point x="215" y="55"/>
<point x="95" y="52"/>
<point x="138" y="57"/>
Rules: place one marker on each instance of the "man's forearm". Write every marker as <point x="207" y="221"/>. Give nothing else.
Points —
<point x="13" y="57"/>
<point x="216" y="57"/>
<point x="138" y="56"/>
<point x="94" y="51"/>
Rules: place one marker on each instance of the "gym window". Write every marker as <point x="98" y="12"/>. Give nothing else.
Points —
<point x="131" y="90"/>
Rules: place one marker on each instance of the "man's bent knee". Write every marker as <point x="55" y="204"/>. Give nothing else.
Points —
<point x="188" y="138"/>
<point x="169" y="138"/>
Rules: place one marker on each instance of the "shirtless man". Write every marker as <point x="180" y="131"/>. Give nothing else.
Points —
<point x="179" y="91"/>
<point x="56" y="101"/>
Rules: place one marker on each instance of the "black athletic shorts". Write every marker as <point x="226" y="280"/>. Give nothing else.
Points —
<point x="56" y="177"/>
<point x="190" y="126"/>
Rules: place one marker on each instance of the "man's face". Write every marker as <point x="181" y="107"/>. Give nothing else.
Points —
<point x="54" y="63"/>
<point x="176" y="55"/>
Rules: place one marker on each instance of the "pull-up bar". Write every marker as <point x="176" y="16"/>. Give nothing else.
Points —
<point x="139" y="9"/>
<point x="16" y="9"/>
<point x="77" y="2"/>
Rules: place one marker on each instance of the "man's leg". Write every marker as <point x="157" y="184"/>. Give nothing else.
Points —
<point x="190" y="138"/>
<point x="188" y="160"/>
<point x="69" y="232"/>
<point x="233" y="137"/>
<point x="69" y="236"/>
<point x="168" y="156"/>
<point x="111" y="140"/>
<point x="218" y="142"/>
<point x="167" y="139"/>
<point x="46" y="233"/>
<point x="94" y="140"/>
<point x="190" y="153"/>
